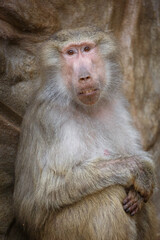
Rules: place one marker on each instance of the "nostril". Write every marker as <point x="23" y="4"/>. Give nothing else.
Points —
<point x="84" y="78"/>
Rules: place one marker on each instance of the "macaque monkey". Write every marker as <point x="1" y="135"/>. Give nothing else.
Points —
<point x="81" y="172"/>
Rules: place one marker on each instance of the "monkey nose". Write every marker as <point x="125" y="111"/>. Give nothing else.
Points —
<point x="84" y="78"/>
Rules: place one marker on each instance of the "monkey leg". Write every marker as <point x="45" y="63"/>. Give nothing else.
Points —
<point x="146" y="222"/>
<point x="98" y="217"/>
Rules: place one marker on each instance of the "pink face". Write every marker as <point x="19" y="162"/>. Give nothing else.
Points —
<point x="83" y="71"/>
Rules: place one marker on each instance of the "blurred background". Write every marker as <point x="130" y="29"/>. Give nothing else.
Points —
<point x="24" y="25"/>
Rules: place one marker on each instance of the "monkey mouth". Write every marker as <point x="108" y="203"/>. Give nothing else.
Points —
<point x="88" y="92"/>
<point x="89" y="96"/>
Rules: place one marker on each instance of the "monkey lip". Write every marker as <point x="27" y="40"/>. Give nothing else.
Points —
<point x="88" y="92"/>
<point x="89" y="95"/>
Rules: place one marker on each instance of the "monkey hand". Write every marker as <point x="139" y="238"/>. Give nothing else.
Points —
<point x="144" y="181"/>
<point x="133" y="202"/>
<point x="141" y="176"/>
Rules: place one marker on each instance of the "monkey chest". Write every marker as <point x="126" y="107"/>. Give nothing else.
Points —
<point x="78" y="142"/>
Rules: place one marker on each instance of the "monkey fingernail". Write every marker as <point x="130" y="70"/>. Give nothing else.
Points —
<point x="128" y="204"/>
<point x="134" y="212"/>
<point x="125" y="201"/>
<point x="132" y="208"/>
<point x="127" y="210"/>
<point x="125" y="207"/>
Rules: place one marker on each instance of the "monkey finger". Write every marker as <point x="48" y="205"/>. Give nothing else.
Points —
<point x="132" y="195"/>
<point x="134" y="212"/>
<point x="128" y="205"/>
<point x="126" y="200"/>
<point x="129" y="198"/>
<point x="131" y="208"/>
<point x="140" y="203"/>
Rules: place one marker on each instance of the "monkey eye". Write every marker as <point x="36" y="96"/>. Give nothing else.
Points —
<point x="70" y="52"/>
<point x="86" y="49"/>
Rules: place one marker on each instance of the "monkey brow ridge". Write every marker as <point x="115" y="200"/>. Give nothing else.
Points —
<point x="78" y="35"/>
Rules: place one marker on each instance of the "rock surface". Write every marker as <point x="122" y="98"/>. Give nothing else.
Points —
<point x="26" y="24"/>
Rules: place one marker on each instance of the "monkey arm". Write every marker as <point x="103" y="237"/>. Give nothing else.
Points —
<point x="94" y="175"/>
<point x="142" y="169"/>
<point x="52" y="189"/>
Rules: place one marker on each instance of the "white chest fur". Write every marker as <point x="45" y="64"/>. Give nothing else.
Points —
<point x="80" y="137"/>
<point x="79" y="141"/>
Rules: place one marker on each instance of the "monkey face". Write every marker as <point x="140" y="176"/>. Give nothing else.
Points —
<point x="80" y="66"/>
<point x="83" y="71"/>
